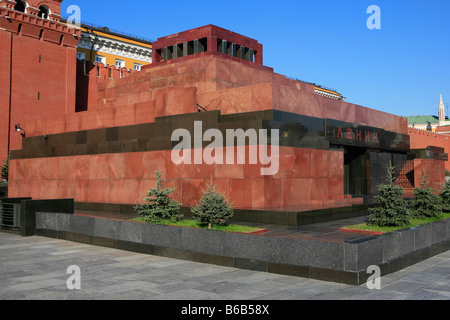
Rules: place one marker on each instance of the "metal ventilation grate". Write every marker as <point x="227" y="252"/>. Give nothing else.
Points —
<point x="9" y="216"/>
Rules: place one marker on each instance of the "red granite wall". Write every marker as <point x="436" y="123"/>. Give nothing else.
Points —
<point x="214" y="83"/>
<point x="421" y="139"/>
<point x="434" y="170"/>
<point x="306" y="176"/>
<point x="211" y="33"/>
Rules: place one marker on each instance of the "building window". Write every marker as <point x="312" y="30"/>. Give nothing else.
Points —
<point x="81" y="56"/>
<point x="100" y="59"/>
<point x="235" y="50"/>
<point x="202" y="45"/>
<point x="120" y="64"/>
<point x="137" y="66"/>
<point x="190" y="47"/>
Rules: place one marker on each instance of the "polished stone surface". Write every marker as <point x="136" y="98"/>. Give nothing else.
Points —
<point x="296" y="130"/>
<point x="34" y="268"/>
<point x="317" y="251"/>
<point x="319" y="231"/>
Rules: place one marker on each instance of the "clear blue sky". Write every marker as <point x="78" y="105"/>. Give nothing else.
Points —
<point x="401" y="68"/>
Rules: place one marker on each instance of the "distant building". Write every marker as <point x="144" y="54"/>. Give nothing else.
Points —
<point x="424" y="122"/>
<point x="324" y="91"/>
<point x="432" y="123"/>
<point x="444" y="123"/>
<point x="102" y="45"/>
<point x="327" y="92"/>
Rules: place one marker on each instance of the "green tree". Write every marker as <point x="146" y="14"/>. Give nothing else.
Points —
<point x="159" y="206"/>
<point x="445" y="195"/>
<point x="426" y="203"/>
<point x="4" y="170"/>
<point x="213" y="207"/>
<point x="390" y="209"/>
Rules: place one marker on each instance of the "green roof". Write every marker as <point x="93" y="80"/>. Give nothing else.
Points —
<point x="422" y="119"/>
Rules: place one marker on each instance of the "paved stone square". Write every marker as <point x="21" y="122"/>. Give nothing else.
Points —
<point x="35" y="268"/>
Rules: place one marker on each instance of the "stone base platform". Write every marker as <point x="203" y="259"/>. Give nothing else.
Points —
<point x="318" y="251"/>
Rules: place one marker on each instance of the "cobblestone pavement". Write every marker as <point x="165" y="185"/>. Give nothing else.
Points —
<point x="35" y="268"/>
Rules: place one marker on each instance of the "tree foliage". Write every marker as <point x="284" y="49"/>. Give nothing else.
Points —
<point x="426" y="203"/>
<point x="445" y="195"/>
<point x="159" y="206"/>
<point x="4" y="170"/>
<point x="213" y="207"/>
<point x="390" y="209"/>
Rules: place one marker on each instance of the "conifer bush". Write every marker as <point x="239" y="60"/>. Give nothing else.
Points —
<point x="213" y="207"/>
<point x="426" y="203"/>
<point x="390" y="209"/>
<point x="445" y="195"/>
<point x="159" y="206"/>
<point x="4" y="170"/>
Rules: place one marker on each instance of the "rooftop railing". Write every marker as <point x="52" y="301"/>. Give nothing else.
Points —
<point x="111" y="31"/>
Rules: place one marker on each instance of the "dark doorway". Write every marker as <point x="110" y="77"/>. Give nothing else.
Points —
<point x="355" y="171"/>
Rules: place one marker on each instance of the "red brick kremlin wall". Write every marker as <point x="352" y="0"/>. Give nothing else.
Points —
<point x="89" y="75"/>
<point x="37" y="72"/>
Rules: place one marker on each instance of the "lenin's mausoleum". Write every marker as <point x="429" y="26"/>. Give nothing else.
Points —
<point x="85" y="133"/>
<point x="96" y="134"/>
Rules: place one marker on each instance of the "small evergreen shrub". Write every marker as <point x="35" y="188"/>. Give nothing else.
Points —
<point x="213" y="207"/>
<point x="159" y="206"/>
<point x="390" y="209"/>
<point x="445" y="195"/>
<point x="4" y="170"/>
<point x="426" y="203"/>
